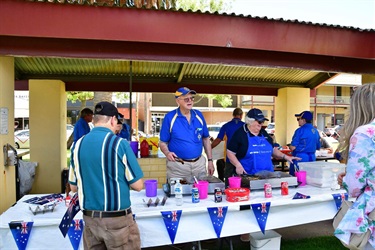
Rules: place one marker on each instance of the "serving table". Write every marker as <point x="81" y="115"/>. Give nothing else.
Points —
<point x="194" y="224"/>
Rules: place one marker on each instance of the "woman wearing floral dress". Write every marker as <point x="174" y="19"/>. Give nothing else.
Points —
<point x="358" y="145"/>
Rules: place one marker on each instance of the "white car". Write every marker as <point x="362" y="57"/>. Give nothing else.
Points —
<point x="271" y="128"/>
<point x="214" y="130"/>
<point x="22" y="137"/>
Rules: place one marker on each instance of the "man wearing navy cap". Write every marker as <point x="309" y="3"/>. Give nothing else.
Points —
<point x="183" y="134"/>
<point x="103" y="168"/>
<point x="306" y="139"/>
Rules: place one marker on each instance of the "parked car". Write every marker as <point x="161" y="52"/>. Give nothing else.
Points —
<point x="270" y="128"/>
<point x="214" y="130"/>
<point x="22" y="137"/>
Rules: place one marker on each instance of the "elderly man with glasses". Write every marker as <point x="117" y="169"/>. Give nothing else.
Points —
<point x="183" y="135"/>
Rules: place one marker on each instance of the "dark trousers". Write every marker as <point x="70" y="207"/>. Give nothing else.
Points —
<point x="230" y="170"/>
<point x="220" y="166"/>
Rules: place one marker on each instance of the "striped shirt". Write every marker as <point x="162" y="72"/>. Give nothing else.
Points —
<point x="102" y="166"/>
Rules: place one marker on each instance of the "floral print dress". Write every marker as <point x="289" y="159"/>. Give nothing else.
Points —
<point x="359" y="181"/>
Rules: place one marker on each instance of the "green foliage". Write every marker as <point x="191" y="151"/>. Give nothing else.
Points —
<point x="122" y="96"/>
<point x="223" y="100"/>
<point x="204" y="5"/>
<point x="79" y="96"/>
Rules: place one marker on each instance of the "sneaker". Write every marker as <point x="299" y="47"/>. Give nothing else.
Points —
<point x="245" y="237"/>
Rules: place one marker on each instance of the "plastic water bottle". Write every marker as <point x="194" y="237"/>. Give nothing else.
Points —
<point x="178" y="193"/>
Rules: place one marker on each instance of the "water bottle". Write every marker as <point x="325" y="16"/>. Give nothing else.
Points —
<point x="178" y="193"/>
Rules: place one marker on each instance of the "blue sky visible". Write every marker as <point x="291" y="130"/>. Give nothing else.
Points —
<point x="356" y="13"/>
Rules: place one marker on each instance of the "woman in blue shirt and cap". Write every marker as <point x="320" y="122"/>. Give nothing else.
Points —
<point x="306" y="139"/>
<point x="251" y="148"/>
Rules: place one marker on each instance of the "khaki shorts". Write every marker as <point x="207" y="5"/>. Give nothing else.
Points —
<point x="187" y="170"/>
<point x="111" y="233"/>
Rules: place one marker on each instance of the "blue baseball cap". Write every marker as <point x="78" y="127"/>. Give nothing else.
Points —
<point x="257" y="115"/>
<point x="307" y="115"/>
<point x="184" y="91"/>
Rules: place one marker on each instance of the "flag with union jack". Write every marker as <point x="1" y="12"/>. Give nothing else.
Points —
<point x="339" y="198"/>
<point x="21" y="231"/>
<point x="75" y="233"/>
<point x="171" y="221"/>
<point x="261" y="211"/>
<point x="72" y="210"/>
<point x="217" y="215"/>
<point x="300" y="196"/>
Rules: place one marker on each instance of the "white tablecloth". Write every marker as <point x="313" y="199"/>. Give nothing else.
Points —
<point x="284" y="212"/>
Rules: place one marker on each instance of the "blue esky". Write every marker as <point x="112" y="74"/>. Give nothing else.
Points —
<point x="356" y="13"/>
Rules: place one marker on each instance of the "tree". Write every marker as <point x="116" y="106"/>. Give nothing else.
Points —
<point x="80" y="96"/>
<point x="223" y="100"/>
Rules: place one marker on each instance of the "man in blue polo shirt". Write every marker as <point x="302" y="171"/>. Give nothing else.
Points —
<point x="82" y="126"/>
<point x="306" y="139"/>
<point x="103" y="169"/>
<point x="183" y="133"/>
<point x="225" y="133"/>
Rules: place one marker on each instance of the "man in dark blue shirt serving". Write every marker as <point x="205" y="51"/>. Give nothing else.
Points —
<point x="306" y="139"/>
<point x="183" y="134"/>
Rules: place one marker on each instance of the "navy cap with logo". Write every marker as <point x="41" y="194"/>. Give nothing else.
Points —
<point x="257" y="115"/>
<point x="106" y="108"/>
<point x="307" y="115"/>
<point x="184" y="91"/>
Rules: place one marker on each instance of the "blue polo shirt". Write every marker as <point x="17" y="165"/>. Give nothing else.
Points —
<point x="80" y="129"/>
<point x="306" y="139"/>
<point x="229" y="128"/>
<point x="103" y="166"/>
<point x="184" y="139"/>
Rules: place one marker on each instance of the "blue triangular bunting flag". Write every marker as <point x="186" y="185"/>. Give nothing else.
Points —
<point x="75" y="233"/>
<point x="72" y="210"/>
<point x="261" y="211"/>
<point x="171" y="221"/>
<point x="300" y="196"/>
<point x="339" y="198"/>
<point x="21" y="232"/>
<point x="217" y="215"/>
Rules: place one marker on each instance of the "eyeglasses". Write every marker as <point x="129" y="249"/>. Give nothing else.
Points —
<point x="259" y="122"/>
<point x="298" y="119"/>
<point x="188" y="99"/>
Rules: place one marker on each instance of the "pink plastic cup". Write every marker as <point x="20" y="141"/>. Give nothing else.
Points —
<point x="301" y="177"/>
<point x="151" y="187"/>
<point x="234" y="182"/>
<point x="202" y="189"/>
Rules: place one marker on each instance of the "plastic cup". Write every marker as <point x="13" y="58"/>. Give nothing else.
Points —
<point x="301" y="177"/>
<point x="151" y="187"/>
<point x="202" y="189"/>
<point x="134" y="146"/>
<point x="234" y="182"/>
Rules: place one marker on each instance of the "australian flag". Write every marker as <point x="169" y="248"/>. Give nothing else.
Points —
<point x="261" y="211"/>
<point x="72" y="210"/>
<point x="217" y="215"/>
<point x="339" y="198"/>
<point x="300" y="196"/>
<point x="75" y="233"/>
<point x="21" y="232"/>
<point x="171" y="221"/>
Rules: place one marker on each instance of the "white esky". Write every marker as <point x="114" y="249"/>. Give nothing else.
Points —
<point x="355" y="13"/>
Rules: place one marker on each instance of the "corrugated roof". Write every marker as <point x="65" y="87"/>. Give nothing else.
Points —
<point x="73" y="69"/>
<point x="163" y="7"/>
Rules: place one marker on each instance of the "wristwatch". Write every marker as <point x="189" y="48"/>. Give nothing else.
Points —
<point x="209" y="159"/>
